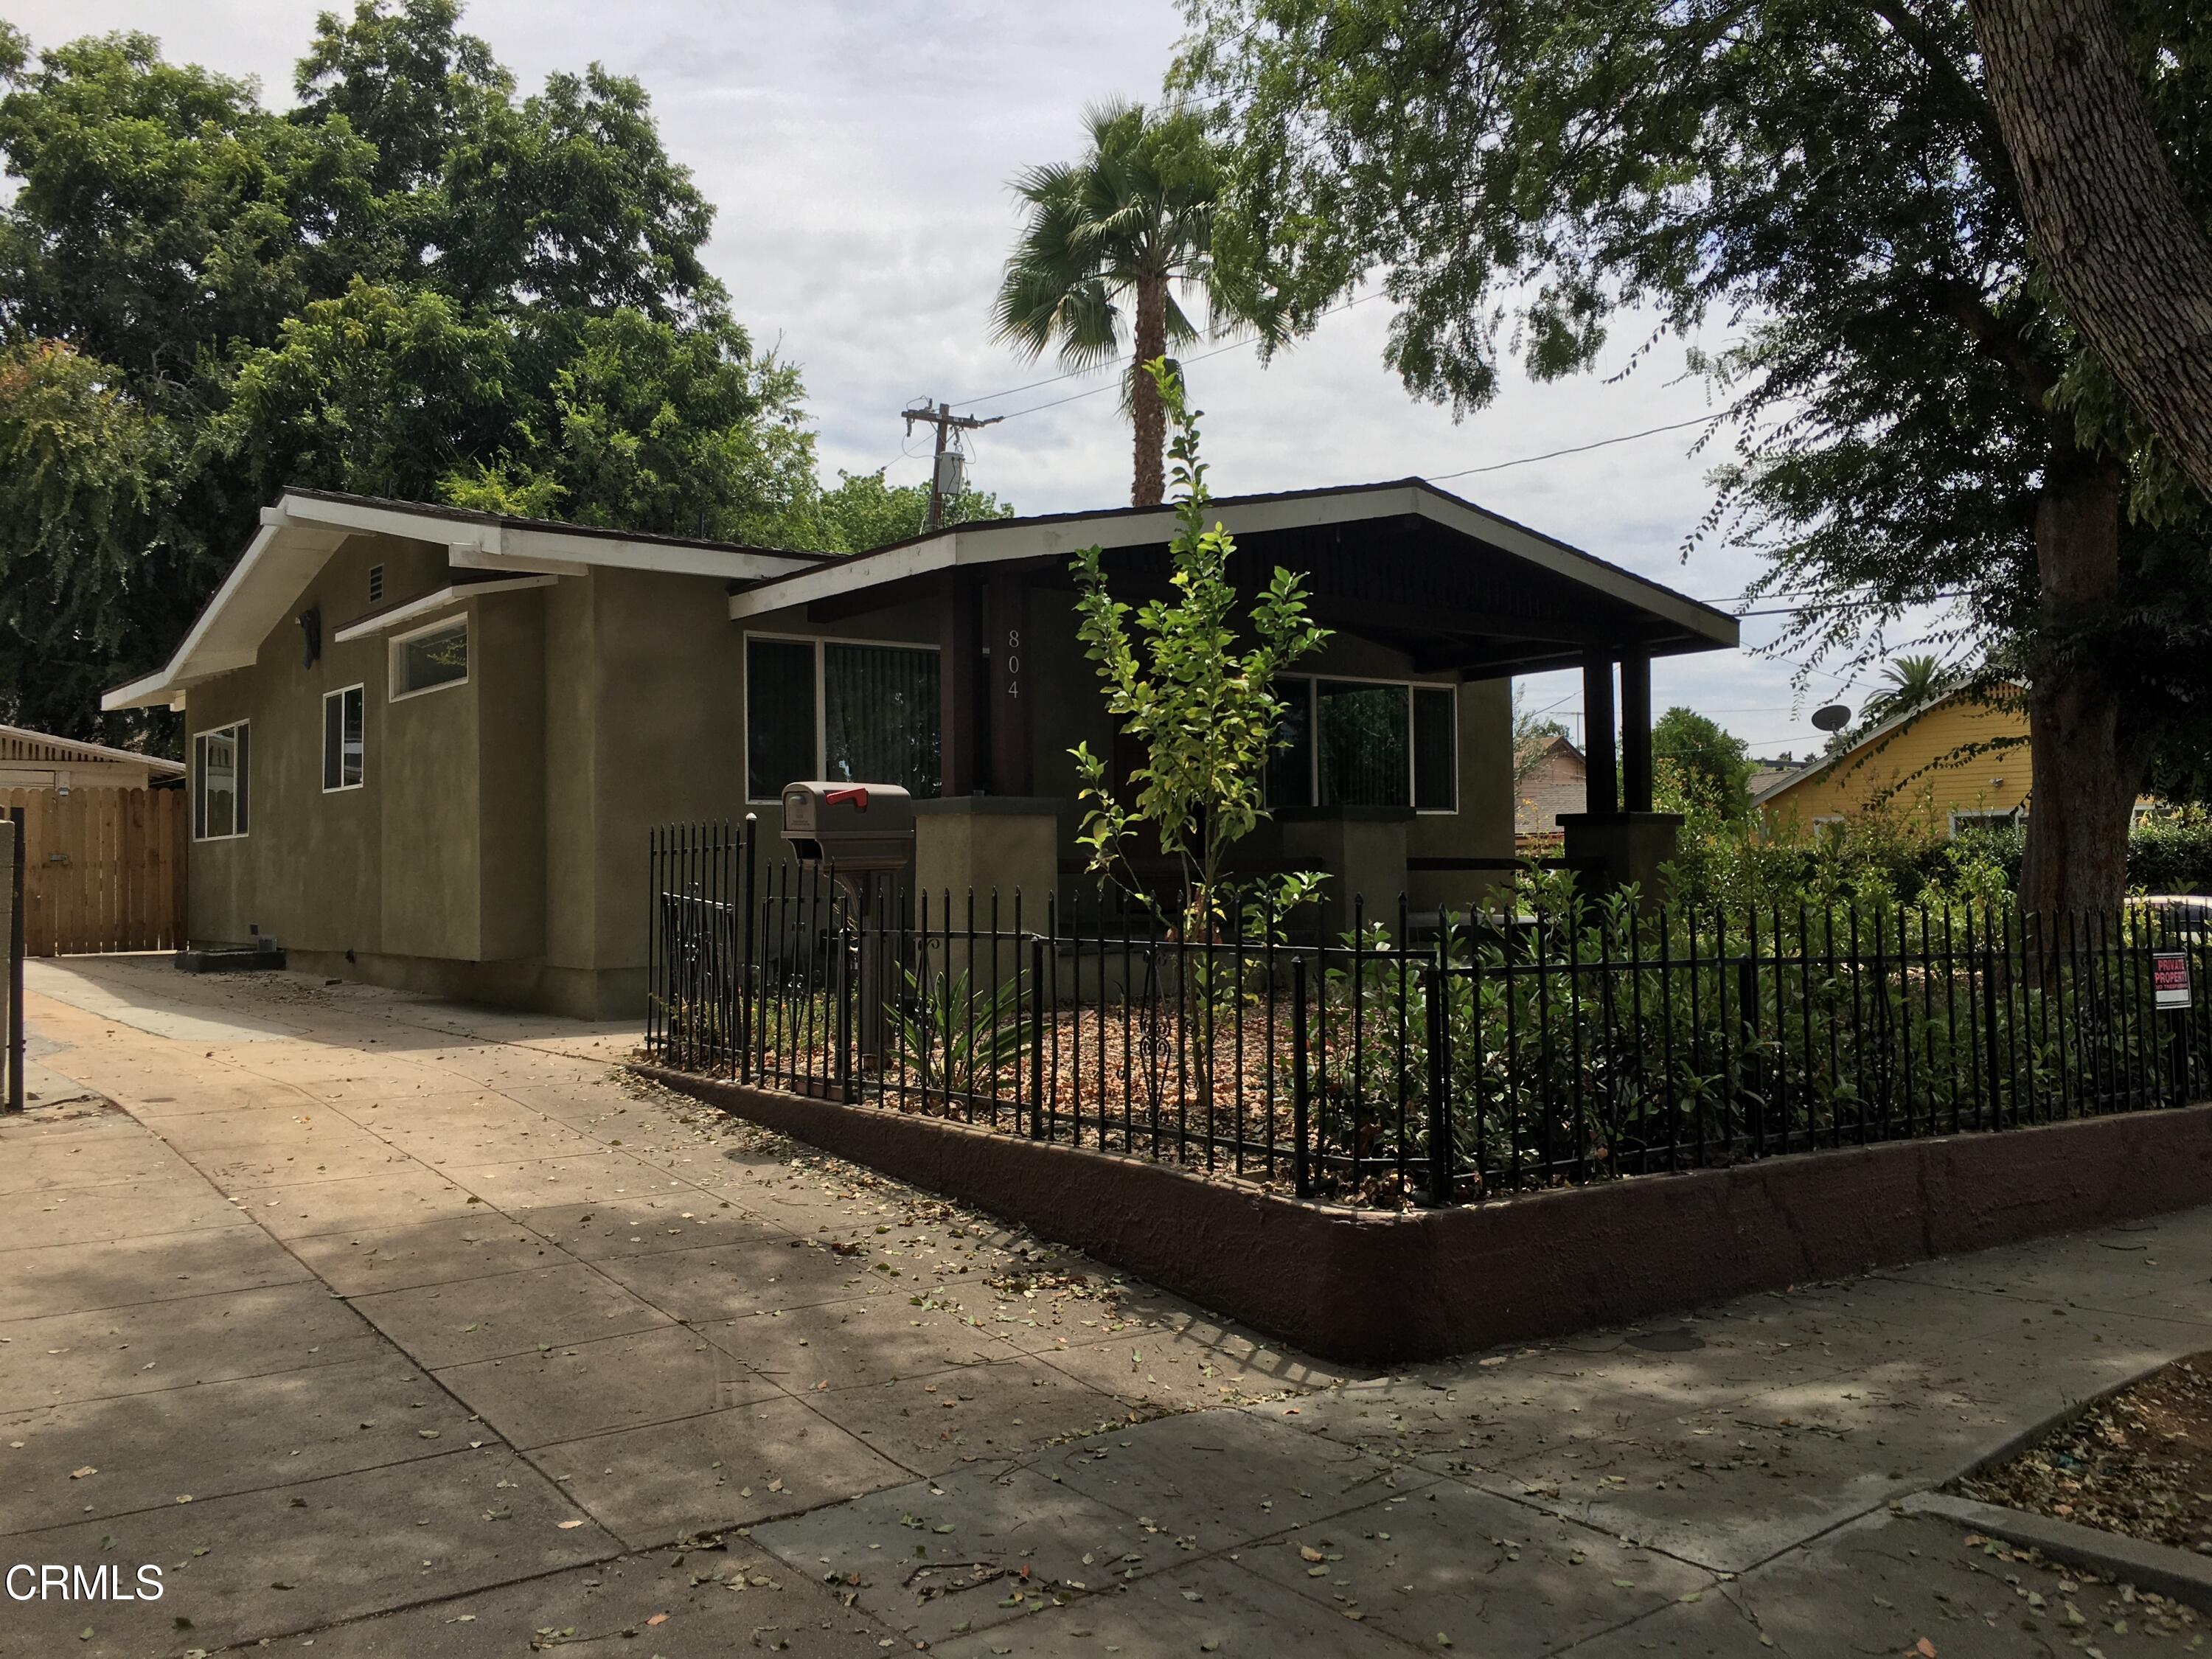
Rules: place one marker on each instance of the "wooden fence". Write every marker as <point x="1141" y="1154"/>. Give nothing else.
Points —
<point x="103" y="869"/>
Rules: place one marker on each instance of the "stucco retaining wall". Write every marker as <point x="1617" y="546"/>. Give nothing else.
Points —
<point x="1381" y="1289"/>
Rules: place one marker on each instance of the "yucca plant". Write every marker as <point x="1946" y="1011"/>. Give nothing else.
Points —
<point x="951" y="1037"/>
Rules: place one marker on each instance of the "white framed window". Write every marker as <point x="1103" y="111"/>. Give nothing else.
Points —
<point x="220" y="771"/>
<point x="1366" y="743"/>
<point x="852" y="710"/>
<point x="1984" y="821"/>
<point x="345" y="739"/>
<point x="430" y="658"/>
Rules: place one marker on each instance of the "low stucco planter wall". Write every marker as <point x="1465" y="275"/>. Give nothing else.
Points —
<point x="1377" y="1288"/>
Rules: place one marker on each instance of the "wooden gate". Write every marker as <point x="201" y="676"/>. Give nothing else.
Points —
<point x="103" y="869"/>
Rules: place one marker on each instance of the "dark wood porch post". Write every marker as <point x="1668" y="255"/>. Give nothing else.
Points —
<point x="1636" y="730"/>
<point x="1600" y="769"/>
<point x="958" y="693"/>
<point x="1007" y="618"/>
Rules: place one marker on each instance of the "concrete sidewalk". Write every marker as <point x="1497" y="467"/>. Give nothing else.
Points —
<point x="403" y="1328"/>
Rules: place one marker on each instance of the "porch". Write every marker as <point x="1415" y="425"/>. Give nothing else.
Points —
<point x="950" y="664"/>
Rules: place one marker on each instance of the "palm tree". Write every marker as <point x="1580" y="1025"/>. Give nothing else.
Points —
<point x="1909" y="682"/>
<point x="1109" y="241"/>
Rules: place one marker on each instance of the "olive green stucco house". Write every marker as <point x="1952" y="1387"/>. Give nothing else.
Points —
<point x="426" y="745"/>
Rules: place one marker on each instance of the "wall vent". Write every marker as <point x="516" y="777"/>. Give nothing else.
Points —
<point x="375" y="584"/>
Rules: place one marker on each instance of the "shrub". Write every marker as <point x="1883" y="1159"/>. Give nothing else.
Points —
<point x="2171" y="855"/>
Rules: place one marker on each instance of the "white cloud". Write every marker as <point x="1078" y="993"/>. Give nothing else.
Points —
<point x="858" y="156"/>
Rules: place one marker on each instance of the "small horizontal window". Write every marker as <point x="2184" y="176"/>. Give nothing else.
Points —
<point x="1969" y="821"/>
<point x="430" y="657"/>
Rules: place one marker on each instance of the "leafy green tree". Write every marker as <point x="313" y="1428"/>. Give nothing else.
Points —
<point x="89" y="570"/>
<point x="675" y="431"/>
<point x="864" y="512"/>
<point x="415" y="283"/>
<point x="407" y="81"/>
<point x="337" y="402"/>
<point x="1709" y="769"/>
<point x="1915" y="417"/>
<point x="1205" y="714"/>
<point x="1110" y="242"/>
<point x="160" y="214"/>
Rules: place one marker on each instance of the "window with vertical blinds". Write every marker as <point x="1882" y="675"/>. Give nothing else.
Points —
<point x="1436" y="750"/>
<point x="879" y="716"/>
<point x="876" y="719"/>
<point x="1364" y="743"/>
<point x="780" y="725"/>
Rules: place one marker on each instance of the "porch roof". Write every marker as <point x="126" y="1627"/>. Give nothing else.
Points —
<point x="1460" y="588"/>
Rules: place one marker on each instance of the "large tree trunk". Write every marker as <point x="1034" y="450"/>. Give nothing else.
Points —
<point x="2085" y="772"/>
<point x="1147" y="415"/>
<point x="2100" y="201"/>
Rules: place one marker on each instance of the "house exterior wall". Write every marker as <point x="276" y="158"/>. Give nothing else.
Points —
<point x="1556" y="783"/>
<point x="439" y="857"/>
<point x="1918" y="772"/>
<point x="1069" y="708"/>
<point x="308" y="870"/>
<point x="496" y="848"/>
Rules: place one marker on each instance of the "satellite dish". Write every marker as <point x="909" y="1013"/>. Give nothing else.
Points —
<point x="1834" y="717"/>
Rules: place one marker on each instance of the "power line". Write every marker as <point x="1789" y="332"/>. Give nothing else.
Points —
<point x="1577" y="449"/>
<point x="1850" y="604"/>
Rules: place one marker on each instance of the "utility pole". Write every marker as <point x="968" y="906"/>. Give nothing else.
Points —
<point x="944" y="468"/>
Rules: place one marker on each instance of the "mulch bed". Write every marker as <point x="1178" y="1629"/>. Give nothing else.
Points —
<point x="2138" y="1464"/>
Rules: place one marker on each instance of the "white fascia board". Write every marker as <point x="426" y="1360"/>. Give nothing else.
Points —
<point x="275" y="569"/>
<point x="153" y="691"/>
<point x="491" y="546"/>
<point x="528" y="546"/>
<point x="364" y="518"/>
<point x="980" y="544"/>
<point x="474" y="558"/>
<point x="444" y="598"/>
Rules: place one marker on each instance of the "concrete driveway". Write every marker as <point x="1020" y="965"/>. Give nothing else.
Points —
<point x="394" y="1328"/>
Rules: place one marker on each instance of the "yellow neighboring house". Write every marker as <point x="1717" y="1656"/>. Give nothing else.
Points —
<point x="1932" y="764"/>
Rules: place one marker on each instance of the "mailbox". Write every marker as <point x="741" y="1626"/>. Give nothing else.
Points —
<point x="854" y="827"/>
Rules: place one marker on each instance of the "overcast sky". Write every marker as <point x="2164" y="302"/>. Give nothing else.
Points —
<point x="858" y="156"/>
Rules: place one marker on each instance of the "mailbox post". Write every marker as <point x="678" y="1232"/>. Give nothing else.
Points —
<point x="863" y="834"/>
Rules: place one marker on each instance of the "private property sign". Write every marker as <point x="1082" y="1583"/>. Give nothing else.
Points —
<point x="2169" y="978"/>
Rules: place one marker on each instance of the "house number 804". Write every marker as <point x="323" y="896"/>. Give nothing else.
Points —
<point x="1013" y="662"/>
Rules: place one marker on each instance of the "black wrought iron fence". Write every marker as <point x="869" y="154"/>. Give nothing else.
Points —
<point x="1534" y="1039"/>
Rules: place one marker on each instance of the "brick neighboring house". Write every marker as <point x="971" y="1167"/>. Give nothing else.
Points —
<point x="1549" y="779"/>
